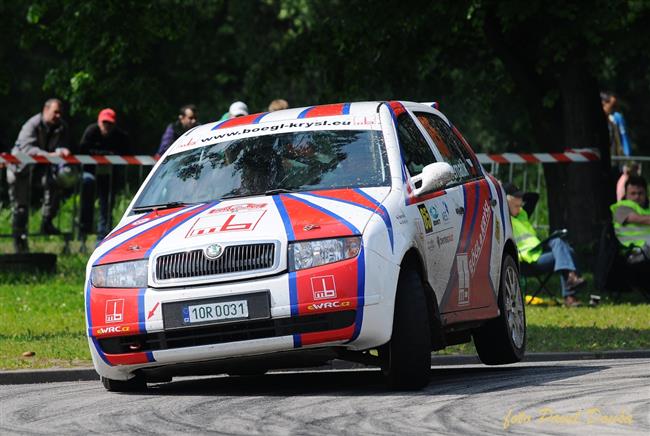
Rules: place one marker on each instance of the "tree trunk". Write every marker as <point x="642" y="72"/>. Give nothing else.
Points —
<point x="579" y="194"/>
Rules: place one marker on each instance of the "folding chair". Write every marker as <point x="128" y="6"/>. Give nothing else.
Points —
<point x="613" y="273"/>
<point x="532" y="270"/>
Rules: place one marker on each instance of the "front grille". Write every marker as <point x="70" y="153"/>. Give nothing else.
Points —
<point x="231" y="332"/>
<point x="235" y="258"/>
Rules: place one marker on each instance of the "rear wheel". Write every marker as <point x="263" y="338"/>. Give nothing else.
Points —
<point x="503" y="340"/>
<point x="135" y="384"/>
<point x="407" y="357"/>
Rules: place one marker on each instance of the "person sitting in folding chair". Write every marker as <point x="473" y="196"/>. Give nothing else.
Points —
<point x="552" y="254"/>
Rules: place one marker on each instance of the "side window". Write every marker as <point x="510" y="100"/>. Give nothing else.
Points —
<point x="416" y="150"/>
<point x="451" y="148"/>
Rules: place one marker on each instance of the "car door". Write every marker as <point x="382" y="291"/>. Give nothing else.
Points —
<point x="438" y="214"/>
<point x="467" y="263"/>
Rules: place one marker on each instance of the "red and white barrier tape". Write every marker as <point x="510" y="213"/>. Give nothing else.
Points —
<point x="20" y="158"/>
<point x="584" y="155"/>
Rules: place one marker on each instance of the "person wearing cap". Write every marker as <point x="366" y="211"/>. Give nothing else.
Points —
<point x="101" y="138"/>
<point x="187" y="118"/>
<point x="44" y="134"/>
<point x="237" y="109"/>
<point x="556" y="255"/>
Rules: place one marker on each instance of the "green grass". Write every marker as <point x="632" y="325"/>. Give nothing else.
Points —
<point x="45" y="314"/>
<point x="609" y="326"/>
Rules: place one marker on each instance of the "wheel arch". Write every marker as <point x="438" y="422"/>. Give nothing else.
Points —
<point x="413" y="259"/>
<point x="511" y="249"/>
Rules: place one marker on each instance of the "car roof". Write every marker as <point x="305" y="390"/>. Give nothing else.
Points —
<point x="364" y="108"/>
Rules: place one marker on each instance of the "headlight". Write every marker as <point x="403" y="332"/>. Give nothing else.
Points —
<point x="120" y="275"/>
<point x="308" y="254"/>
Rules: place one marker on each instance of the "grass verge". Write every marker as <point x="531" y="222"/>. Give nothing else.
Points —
<point x="45" y="315"/>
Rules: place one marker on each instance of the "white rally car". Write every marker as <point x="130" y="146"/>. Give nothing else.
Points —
<point x="360" y="231"/>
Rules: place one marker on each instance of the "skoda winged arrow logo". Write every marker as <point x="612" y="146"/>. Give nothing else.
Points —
<point x="213" y="251"/>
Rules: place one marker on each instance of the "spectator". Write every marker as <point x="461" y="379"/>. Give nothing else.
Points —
<point x="187" y="118"/>
<point x="278" y="105"/>
<point x="44" y="134"/>
<point x="100" y="138"/>
<point x="632" y="219"/>
<point x="556" y="256"/>
<point x="619" y="142"/>
<point x="237" y="109"/>
<point x="629" y="169"/>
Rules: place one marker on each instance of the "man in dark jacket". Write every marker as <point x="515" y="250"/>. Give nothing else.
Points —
<point x="44" y="134"/>
<point x="186" y="120"/>
<point x="100" y="138"/>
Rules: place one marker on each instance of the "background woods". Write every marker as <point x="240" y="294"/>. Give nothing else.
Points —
<point x="515" y="77"/>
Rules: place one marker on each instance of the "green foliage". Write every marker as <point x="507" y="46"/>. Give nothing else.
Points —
<point x="147" y="58"/>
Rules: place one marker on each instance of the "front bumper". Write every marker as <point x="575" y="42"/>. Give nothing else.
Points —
<point x="359" y="317"/>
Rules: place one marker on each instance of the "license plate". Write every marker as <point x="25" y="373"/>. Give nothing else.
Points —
<point x="215" y="311"/>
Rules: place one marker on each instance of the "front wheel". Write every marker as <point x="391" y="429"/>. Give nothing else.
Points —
<point x="407" y="357"/>
<point x="503" y="339"/>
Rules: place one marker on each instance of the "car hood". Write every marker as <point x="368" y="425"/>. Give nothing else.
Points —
<point x="283" y="218"/>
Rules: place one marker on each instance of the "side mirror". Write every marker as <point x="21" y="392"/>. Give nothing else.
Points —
<point x="433" y="177"/>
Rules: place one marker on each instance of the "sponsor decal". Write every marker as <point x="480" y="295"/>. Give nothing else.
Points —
<point x="364" y="120"/>
<point x="112" y="329"/>
<point x="446" y="239"/>
<point x="401" y="218"/>
<point x="133" y="248"/>
<point x="435" y="218"/>
<point x="310" y="227"/>
<point x="463" y="279"/>
<point x="328" y="305"/>
<point x="234" y="208"/>
<point x="302" y="125"/>
<point x="190" y="142"/>
<point x="426" y="218"/>
<point x="444" y="213"/>
<point x="226" y="222"/>
<point x="114" y="311"/>
<point x="152" y="311"/>
<point x="323" y="287"/>
<point x="475" y="252"/>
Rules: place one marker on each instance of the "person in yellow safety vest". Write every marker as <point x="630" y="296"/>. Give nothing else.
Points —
<point x="632" y="220"/>
<point x="556" y="255"/>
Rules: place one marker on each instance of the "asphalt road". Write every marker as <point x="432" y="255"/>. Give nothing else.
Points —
<point x="571" y="397"/>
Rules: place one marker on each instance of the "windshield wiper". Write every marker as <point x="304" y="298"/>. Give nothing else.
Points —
<point x="279" y="191"/>
<point x="161" y="206"/>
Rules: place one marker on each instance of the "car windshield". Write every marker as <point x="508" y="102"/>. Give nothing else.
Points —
<point x="287" y="162"/>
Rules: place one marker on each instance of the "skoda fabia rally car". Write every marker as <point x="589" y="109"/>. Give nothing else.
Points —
<point x="360" y="231"/>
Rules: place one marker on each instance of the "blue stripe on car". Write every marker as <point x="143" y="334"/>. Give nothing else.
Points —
<point x="361" y="284"/>
<point x="345" y="222"/>
<point x="304" y="113"/>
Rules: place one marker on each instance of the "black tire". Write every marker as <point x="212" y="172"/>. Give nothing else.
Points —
<point x="503" y="339"/>
<point x="407" y="357"/>
<point x="135" y="384"/>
